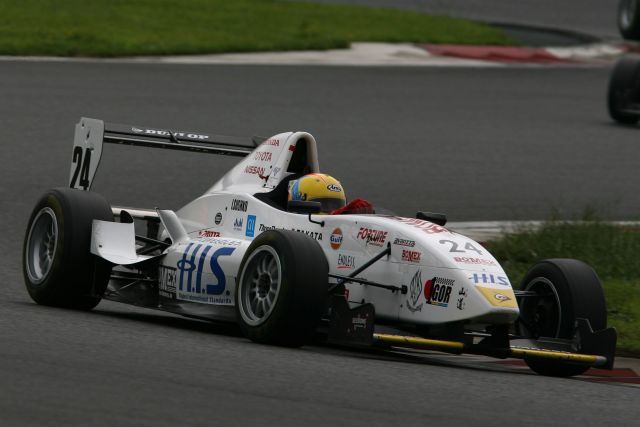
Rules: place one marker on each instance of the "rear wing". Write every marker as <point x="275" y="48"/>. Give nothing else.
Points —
<point x="91" y="134"/>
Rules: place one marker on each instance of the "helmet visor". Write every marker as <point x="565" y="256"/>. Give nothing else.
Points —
<point x="330" y="203"/>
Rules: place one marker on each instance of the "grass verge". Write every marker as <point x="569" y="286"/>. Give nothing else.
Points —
<point x="611" y="250"/>
<point x="161" y="27"/>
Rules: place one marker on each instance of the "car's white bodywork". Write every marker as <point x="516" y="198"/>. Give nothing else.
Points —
<point x="448" y="277"/>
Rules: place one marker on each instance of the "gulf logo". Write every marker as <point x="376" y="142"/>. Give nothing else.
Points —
<point x="336" y="239"/>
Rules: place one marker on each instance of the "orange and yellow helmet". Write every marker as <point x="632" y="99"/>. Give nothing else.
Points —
<point x="318" y="187"/>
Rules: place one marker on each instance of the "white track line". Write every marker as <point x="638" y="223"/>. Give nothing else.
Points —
<point x="358" y="54"/>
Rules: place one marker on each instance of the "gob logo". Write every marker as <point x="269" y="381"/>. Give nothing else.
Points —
<point x="334" y="188"/>
<point x="336" y="239"/>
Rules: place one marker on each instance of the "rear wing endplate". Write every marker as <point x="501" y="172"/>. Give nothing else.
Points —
<point x="91" y="134"/>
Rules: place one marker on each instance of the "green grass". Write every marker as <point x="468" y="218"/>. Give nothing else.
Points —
<point x="160" y="27"/>
<point x="613" y="251"/>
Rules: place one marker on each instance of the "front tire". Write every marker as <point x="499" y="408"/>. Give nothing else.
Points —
<point x="57" y="266"/>
<point x="281" y="288"/>
<point x="569" y="289"/>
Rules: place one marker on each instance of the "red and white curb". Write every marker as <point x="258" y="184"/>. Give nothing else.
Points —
<point x="388" y="54"/>
<point x="593" y="53"/>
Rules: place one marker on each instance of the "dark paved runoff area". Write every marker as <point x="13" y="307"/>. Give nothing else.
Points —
<point x="594" y="17"/>
<point x="476" y="143"/>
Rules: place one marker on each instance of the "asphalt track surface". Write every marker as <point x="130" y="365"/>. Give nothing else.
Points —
<point x="477" y="143"/>
<point x="594" y="17"/>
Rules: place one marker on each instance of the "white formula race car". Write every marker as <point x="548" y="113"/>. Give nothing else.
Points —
<point x="241" y="252"/>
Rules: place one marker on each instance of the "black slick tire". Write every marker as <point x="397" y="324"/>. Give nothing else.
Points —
<point x="281" y="288"/>
<point x="624" y="90"/>
<point x="629" y="19"/>
<point x="574" y="291"/>
<point x="57" y="265"/>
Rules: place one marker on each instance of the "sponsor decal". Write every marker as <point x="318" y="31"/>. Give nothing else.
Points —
<point x="314" y="234"/>
<point x="220" y="241"/>
<point x="359" y="322"/>
<point x="275" y="171"/>
<point x="426" y="226"/>
<point x="237" y="224"/>
<point x="251" y="226"/>
<point x="346" y="261"/>
<point x="292" y="148"/>
<point x="334" y="188"/>
<point x="239" y="205"/>
<point x="415" y="290"/>
<point x="218" y="218"/>
<point x="404" y="242"/>
<point x="471" y="260"/>
<point x="411" y="256"/>
<point x="461" y="304"/>
<point x="336" y="239"/>
<point x="484" y="278"/>
<point x="254" y="170"/>
<point x="167" y="282"/>
<point x="208" y="233"/>
<point x="372" y="236"/>
<point x="437" y="291"/>
<point x="262" y="156"/>
<point x="197" y="259"/>
<point x="167" y="133"/>
<point x="499" y="297"/>
<point x="272" y="141"/>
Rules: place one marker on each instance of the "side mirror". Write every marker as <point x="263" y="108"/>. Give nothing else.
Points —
<point x="304" y="207"/>
<point x="436" y="218"/>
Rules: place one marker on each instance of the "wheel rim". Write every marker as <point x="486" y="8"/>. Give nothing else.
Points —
<point x="260" y="284"/>
<point x="42" y="243"/>
<point x="543" y="313"/>
<point x="627" y="11"/>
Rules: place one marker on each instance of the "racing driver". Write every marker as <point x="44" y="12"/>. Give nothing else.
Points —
<point x="327" y="190"/>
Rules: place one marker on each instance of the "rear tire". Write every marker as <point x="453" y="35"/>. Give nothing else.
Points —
<point x="624" y="90"/>
<point x="574" y="291"/>
<point x="57" y="266"/>
<point x="282" y="288"/>
<point x="629" y="19"/>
